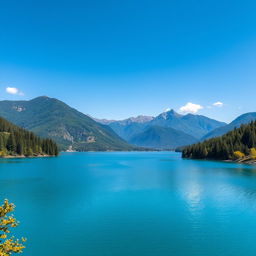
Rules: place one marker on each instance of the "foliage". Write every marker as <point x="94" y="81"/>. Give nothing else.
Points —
<point x="253" y="153"/>
<point x="238" y="154"/>
<point x="8" y="245"/>
<point x="241" y="139"/>
<point x="18" y="142"/>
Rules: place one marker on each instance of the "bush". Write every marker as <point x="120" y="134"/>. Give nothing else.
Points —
<point x="238" y="154"/>
<point x="253" y="153"/>
<point x="8" y="245"/>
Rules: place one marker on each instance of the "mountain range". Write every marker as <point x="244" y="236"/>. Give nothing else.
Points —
<point x="71" y="129"/>
<point x="186" y="129"/>
<point x="167" y="130"/>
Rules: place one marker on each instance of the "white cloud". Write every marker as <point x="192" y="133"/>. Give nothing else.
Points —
<point x="13" y="90"/>
<point x="191" y="108"/>
<point x="218" y="104"/>
<point x="166" y="110"/>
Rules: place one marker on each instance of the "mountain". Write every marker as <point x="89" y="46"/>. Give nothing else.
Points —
<point x="129" y="127"/>
<point x="194" y="125"/>
<point x="48" y="117"/>
<point x="102" y="121"/>
<point x="239" y="144"/>
<point x="162" y="138"/>
<point x="243" y="119"/>
<point x="138" y="119"/>
<point x="15" y="141"/>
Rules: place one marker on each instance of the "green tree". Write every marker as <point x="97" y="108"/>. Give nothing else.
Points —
<point x="11" y="143"/>
<point x="241" y="140"/>
<point x="17" y="141"/>
<point x="2" y="146"/>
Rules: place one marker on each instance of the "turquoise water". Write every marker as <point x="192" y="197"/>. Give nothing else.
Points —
<point x="120" y="204"/>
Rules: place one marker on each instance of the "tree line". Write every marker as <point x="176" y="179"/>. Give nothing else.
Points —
<point x="235" y="144"/>
<point x="17" y="141"/>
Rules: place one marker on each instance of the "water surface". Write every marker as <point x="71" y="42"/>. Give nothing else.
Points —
<point x="128" y="204"/>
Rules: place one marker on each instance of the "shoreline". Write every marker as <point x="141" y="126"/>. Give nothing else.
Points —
<point x="250" y="162"/>
<point x="23" y="156"/>
<point x="239" y="161"/>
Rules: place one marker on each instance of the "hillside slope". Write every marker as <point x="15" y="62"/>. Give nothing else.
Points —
<point x="243" y="119"/>
<point x="15" y="141"/>
<point x="162" y="138"/>
<point x="51" y="118"/>
<point x="238" y="142"/>
<point x="194" y="125"/>
<point x="127" y="128"/>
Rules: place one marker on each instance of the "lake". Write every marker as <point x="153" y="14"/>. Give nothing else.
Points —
<point x="135" y="203"/>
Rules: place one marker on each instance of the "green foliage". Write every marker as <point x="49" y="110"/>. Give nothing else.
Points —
<point x="241" y="139"/>
<point x="16" y="141"/>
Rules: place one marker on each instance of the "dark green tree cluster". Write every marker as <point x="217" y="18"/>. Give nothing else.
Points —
<point x="222" y="148"/>
<point x="17" y="141"/>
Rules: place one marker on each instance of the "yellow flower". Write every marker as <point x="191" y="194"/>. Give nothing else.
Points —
<point x="8" y="245"/>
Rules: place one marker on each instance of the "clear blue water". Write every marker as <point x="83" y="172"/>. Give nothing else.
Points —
<point x="120" y="204"/>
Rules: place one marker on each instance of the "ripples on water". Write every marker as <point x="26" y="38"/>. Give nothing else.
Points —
<point x="132" y="204"/>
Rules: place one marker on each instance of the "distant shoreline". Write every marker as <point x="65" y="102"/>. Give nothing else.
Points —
<point x="145" y="150"/>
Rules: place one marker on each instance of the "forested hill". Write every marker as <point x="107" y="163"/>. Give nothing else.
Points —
<point x="15" y="141"/>
<point x="69" y="128"/>
<point x="237" y="144"/>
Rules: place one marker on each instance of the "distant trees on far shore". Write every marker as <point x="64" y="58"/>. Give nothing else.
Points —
<point x="239" y="143"/>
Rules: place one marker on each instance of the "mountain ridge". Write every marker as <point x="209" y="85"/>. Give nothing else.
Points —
<point x="52" y="118"/>
<point x="162" y="138"/>
<point x="236" y="123"/>
<point x="193" y="125"/>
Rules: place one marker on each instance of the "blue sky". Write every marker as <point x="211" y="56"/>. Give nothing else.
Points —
<point x="116" y="59"/>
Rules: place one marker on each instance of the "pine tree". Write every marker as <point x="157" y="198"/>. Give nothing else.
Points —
<point x="11" y="143"/>
<point x="2" y="146"/>
<point x="240" y="140"/>
<point x="17" y="141"/>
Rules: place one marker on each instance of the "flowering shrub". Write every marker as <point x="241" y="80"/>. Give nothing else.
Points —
<point x="8" y="245"/>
